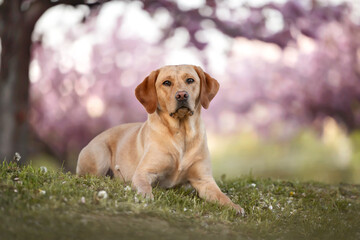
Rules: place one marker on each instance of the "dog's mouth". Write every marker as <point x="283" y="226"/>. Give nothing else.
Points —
<point x="181" y="112"/>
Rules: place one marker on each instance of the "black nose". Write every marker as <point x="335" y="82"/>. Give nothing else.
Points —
<point x="181" y="95"/>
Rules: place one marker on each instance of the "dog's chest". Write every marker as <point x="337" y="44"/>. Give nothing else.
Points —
<point x="172" y="180"/>
<point x="182" y="157"/>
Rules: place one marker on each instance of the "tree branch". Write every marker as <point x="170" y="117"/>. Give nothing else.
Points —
<point x="78" y="2"/>
<point x="37" y="8"/>
<point x="34" y="12"/>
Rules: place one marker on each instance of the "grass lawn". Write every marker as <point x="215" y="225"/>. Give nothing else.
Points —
<point x="38" y="204"/>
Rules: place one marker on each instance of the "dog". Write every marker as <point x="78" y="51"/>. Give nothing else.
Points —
<point x="168" y="149"/>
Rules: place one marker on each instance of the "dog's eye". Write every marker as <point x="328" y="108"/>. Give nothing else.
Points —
<point x="167" y="83"/>
<point x="189" y="80"/>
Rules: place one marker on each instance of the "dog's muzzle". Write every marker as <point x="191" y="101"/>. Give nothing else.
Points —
<point x="182" y="108"/>
<point x="182" y="112"/>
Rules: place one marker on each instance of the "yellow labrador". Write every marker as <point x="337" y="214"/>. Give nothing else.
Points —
<point x="170" y="148"/>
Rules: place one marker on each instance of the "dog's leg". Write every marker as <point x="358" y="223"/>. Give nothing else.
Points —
<point x="151" y="167"/>
<point x="207" y="188"/>
<point x="142" y="181"/>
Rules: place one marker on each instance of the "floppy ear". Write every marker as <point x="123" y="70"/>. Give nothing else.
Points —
<point x="145" y="92"/>
<point x="208" y="87"/>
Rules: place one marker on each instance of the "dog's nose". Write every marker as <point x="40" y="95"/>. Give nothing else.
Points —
<point x="181" y="95"/>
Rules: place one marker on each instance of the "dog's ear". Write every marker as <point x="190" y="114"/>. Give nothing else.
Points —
<point x="145" y="92"/>
<point x="208" y="87"/>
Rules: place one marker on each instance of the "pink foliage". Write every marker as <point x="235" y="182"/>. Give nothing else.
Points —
<point x="323" y="82"/>
<point x="69" y="107"/>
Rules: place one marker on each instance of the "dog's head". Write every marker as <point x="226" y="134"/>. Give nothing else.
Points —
<point x="177" y="90"/>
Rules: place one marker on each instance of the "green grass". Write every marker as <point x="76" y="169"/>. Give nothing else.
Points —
<point x="54" y="205"/>
<point x="332" y="157"/>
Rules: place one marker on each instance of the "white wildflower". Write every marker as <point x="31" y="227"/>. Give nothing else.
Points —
<point x="102" y="194"/>
<point x="127" y="188"/>
<point x="185" y="209"/>
<point x="82" y="200"/>
<point x="43" y="169"/>
<point x="253" y="185"/>
<point x="17" y="157"/>
<point x="42" y="192"/>
<point x="271" y="207"/>
<point x="15" y="190"/>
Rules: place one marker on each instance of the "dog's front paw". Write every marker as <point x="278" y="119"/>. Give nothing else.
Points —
<point x="145" y="192"/>
<point x="239" y="210"/>
<point x="142" y="188"/>
<point x="146" y="195"/>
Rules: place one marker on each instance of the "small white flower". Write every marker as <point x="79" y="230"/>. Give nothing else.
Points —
<point x="82" y="200"/>
<point x="127" y="188"/>
<point x="253" y="185"/>
<point x="63" y="182"/>
<point x="271" y="207"/>
<point x="43" y="169"/>
<point x="42" y="192"/>
<point x="185" y="209"/>
<point x="102" y="194"/>
<point x="17" y="157"/>
<point x="16" y="179"/>
<point x="15" y="190"/>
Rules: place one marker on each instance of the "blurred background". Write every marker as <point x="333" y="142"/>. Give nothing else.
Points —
<point x="289" y="102"/>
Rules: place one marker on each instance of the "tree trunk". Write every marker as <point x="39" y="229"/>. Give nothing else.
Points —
<point x="17" y="21"/>
<point x="16" y="26"/>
